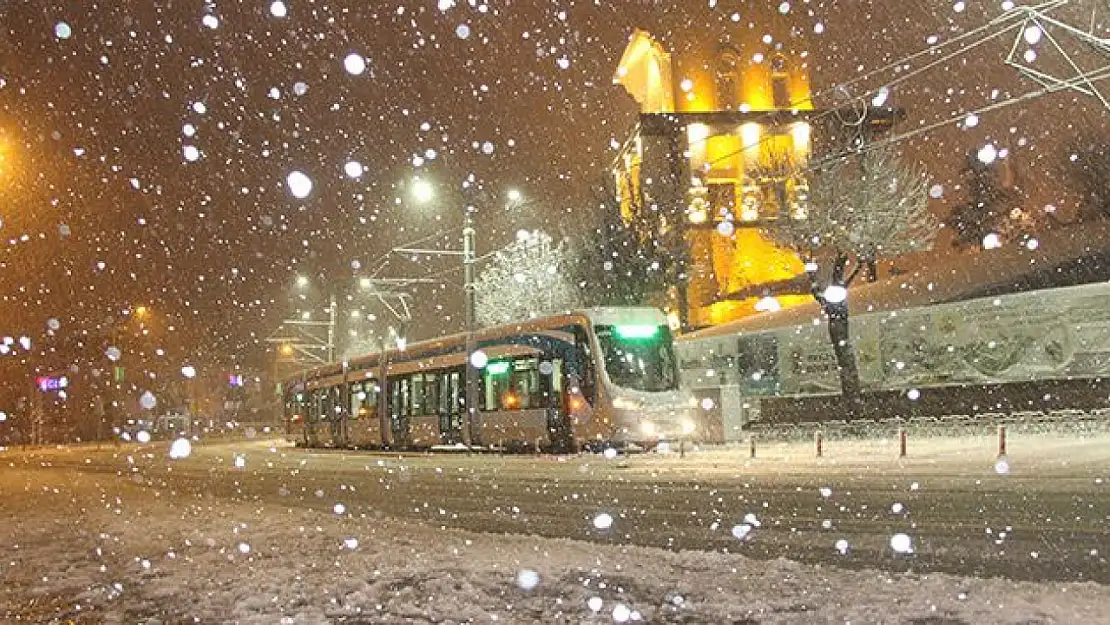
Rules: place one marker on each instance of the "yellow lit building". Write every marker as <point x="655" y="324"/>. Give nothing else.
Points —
<point x="724" y="126"/>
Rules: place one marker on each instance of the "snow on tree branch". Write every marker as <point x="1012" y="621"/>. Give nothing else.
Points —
<point x="872" y="204"/>
<point x="527" y="279"/>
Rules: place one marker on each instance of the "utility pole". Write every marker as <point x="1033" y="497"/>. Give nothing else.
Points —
<point x="331" y="328"/>
<point x="468" y="289"/>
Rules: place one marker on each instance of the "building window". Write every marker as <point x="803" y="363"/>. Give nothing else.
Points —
<point x="780" y="83"/>
<point x="727" y="86"/>
<point x="722" y="199"/>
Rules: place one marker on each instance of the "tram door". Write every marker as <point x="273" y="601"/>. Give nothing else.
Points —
<point x="450" y="408"/>
<point x="558" y="414"/>
<point x="400" y="404"/>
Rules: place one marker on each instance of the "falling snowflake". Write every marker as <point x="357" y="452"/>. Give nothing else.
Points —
<point x="527" y="579"/>
<point x="300" y="185"/>
<point x="62" y="30"/>
<point x="901" y="543"/>
<point x="353" y="169"/>
<point x="354" y="64"/>
<point x="147" y="400"/>
<point x="1002" y="466"/>
<point x="278" y="9"/>
<point x="603" y="521"/>
<point x="180" y="448"/>
<point x="987" y="154"/>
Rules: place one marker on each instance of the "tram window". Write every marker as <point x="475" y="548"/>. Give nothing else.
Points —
<point x="557" y="375"/>
<point x="525" y="385"/>
<point x="363" y="400"/>
<point x="417" y="394"/>
<point x="431" y="393"/>
<point x="497" y="378"/>
<point x="456" y="398"/>
<point x="445" y="394"/>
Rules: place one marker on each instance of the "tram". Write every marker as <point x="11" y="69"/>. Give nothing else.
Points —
<point x="588" y="378"/>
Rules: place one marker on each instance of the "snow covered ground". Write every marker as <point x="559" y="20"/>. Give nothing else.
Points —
<point x="95" y="548"/>
<point x="1026" y="454"/>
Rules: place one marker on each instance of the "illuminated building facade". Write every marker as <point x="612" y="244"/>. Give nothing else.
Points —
<point x="726" y="128"/>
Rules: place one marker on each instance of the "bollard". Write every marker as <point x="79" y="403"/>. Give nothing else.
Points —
<point x="1001" y="441"/>
<point x="819" y="439"/>
<point x="902" y="443"/>
<point x="753" y="446"/>
<point x="682" y="448"/>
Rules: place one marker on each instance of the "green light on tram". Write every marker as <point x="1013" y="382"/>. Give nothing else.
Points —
<point x="633" y="332"/>
<point x="497" y="368"/>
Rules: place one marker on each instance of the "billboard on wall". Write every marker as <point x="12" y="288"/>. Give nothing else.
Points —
<point x="1057" y="333"/>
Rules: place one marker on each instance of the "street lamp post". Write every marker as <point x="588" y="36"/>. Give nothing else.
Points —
<point x="423" y="191"/>
<point x="470" y="380"/>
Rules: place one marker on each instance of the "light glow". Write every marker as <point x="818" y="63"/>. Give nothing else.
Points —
<point x="498" y="368"/>
<point x="636" y="331"/>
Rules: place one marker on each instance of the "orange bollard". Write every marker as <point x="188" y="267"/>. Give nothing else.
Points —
<point x="820" y="440"/>
<point x="1001" y="441"/>
<point x="902" y="443"/>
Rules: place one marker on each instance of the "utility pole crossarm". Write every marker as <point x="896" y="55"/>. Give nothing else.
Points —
<point x="429" y="252"/>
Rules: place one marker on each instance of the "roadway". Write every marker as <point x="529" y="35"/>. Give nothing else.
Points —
<point x="1044" y="516"/>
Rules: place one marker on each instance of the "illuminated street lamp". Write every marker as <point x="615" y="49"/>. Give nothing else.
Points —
<point x="422" y="191"/>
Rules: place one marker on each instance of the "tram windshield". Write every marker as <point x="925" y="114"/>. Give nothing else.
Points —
<point x="639" y="357"/>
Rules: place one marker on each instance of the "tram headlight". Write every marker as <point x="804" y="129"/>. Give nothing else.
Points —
<point x="688" y="426"/>
<point x="648" y="428"/>
<point x="624" y="403"/>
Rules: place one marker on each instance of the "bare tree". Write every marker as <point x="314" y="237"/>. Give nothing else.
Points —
<point x="861" y="208"/>
<point x="526" y="279"/>
<point x="990" y="206"/>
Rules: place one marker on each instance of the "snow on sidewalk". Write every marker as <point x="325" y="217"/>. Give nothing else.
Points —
<point x="102" y="549"/>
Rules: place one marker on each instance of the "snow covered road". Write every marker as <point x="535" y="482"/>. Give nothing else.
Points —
<point x="257" y="532"/>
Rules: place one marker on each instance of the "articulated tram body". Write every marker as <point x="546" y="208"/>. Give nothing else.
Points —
<point x="599" y="376"/>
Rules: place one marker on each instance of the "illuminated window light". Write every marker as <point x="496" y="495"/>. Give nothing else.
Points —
<point x="636" y="331"/>
<point x="498" y="368"/>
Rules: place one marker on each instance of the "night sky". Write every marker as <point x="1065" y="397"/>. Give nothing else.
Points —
<point x="95" y="99"/>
